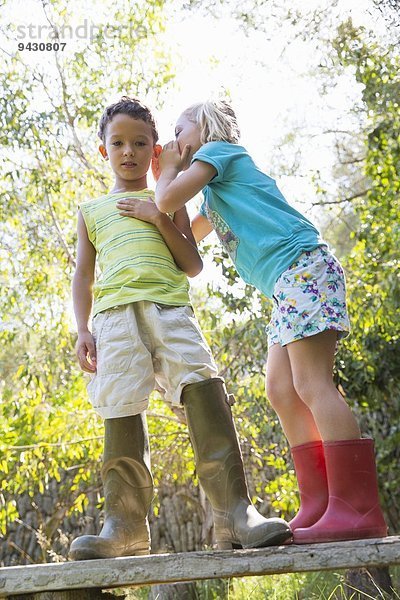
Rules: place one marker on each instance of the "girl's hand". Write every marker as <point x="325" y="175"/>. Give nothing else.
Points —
<point x="172" y="157"/>
<point x="144" y="210"/>
<point x="86" y="352"/>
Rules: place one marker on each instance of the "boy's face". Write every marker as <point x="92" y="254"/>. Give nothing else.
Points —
<point x="129" y="146"/>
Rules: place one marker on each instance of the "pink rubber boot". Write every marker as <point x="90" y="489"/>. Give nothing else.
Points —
<point x="353" y="509"/>
<point x="309" y="464"/>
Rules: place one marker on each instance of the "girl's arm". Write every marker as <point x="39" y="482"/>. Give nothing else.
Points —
<point x="177" y="233"/>
<point x="201" y="227"/>
<point x="82" y="294"/>
<point x="180" y="241"/>
<point x="172" y="192"/>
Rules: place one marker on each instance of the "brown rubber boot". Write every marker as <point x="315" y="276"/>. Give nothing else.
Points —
<point x="220" y="469"/>
<point x="128" y="492"/>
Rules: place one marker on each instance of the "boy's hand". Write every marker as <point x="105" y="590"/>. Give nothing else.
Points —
<point x="145" y="210"/>
<point x="172" y="157"/>
<point x="86" y="352"/>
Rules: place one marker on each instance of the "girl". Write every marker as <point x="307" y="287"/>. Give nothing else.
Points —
<point x="275" y="248"/>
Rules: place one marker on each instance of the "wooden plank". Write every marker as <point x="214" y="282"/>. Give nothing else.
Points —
<point x="168" y="568"/>
<point x="68" y="595"/>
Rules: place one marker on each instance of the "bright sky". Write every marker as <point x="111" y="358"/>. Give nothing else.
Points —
<point x="271" y="91"/>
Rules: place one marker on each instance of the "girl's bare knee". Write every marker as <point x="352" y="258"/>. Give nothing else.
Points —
<point x="311" y="391"/>
<point x="280" y="393"/>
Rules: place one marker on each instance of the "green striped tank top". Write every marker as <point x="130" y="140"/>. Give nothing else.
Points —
<point x="134" y="260"/>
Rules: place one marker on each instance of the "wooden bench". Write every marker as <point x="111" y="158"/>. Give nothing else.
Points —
<point x="49" y="580"/>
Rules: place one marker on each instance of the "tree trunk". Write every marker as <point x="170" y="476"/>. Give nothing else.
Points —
<point x="183" y="591"/>
<point x="371" y="581"/>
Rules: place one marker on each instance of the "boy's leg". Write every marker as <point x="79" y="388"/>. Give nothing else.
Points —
<point x="119" y="392"/>
<point x="220" y="469"/>
<point x="128" y="492"/>
<point x="124" y="376"/>
<point x="186" y="370"/>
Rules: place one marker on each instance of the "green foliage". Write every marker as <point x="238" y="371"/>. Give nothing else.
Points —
<point x="369" y="364"/>
<point x="49" y="149"/>
<point x="300" y="586"/>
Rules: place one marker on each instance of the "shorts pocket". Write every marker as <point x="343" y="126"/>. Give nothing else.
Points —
<point x="185" y="319"/>
<point x="179" y="317"/>
<point x="114" y="344"/>
<point x="298" y="282"/>
<point x="98" y="322"/>
<point x="181" y="332"/>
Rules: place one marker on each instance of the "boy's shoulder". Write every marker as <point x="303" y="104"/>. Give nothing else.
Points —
<point x="92" y="201"/>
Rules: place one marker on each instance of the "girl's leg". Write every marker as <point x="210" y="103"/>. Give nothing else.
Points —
<point x="353" y="510"/>
<point x="311" y="361"/>
<point x="306" y="446"/>
<point x="296" y="418"/>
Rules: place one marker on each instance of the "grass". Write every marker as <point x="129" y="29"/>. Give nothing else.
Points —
<point x="294" y="586"/>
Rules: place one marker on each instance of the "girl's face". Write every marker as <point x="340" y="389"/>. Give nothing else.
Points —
<point x="187" y="132"/>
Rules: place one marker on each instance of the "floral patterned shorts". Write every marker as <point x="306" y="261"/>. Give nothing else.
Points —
<point x="309" y="297"/>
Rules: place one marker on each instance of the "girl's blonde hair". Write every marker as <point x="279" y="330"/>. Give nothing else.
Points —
<point x="216" y="119"/>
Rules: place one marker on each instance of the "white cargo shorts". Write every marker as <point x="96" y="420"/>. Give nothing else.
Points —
<point x="143" y="346"/>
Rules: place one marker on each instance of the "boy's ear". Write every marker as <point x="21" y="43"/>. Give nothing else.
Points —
<point x="155" y="167"/>
<point x="103" y="151"/>
<point x="157" y="150"/>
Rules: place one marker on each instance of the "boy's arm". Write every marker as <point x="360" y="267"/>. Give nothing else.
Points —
<point x="201" y="227"/>
<point x="82" y="295"/>
<point x="177" y="233"/>
<point x="172" y="192"/>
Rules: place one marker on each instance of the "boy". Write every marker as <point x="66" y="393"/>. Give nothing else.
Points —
<point x="145" y="333"/>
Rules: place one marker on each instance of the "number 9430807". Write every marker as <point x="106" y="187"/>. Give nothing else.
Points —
<point x="42" y="46"/>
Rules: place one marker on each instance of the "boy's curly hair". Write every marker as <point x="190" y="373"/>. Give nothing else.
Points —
<point x="127" y="106"/>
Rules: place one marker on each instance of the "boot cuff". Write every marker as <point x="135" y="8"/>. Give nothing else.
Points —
<point x="306" y="446"/>
<point x="200" y="384"/>
<point x="350" y="443"/>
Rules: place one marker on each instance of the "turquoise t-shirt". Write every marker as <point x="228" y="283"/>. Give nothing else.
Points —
<point x="261" y="232"/>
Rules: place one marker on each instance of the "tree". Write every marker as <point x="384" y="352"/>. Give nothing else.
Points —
<point x="369" y="367"/>
<point x="49" y="112"/>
